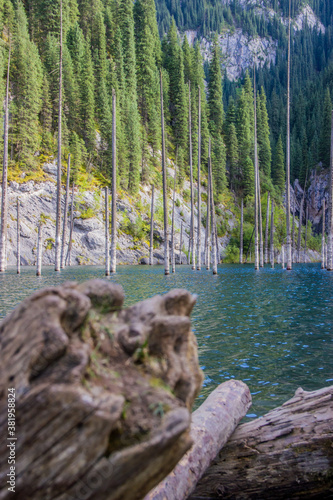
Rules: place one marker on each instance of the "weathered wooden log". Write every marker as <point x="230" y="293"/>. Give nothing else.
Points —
<point x="103" y="395"/>
<point x="212" y="425"/>
<point x="286" y="454"/>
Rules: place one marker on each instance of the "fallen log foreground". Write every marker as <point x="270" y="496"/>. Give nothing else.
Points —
<point x="286" y="454"/>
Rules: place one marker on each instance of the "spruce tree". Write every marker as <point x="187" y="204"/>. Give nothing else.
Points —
<point x="325" y="137"/>
<point x="264" y="145"/>
<point x="278" y="172"/>
<point x="215" y="102"/>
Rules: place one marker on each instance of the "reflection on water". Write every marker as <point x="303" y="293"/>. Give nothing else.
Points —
<point x="272" y="328"/>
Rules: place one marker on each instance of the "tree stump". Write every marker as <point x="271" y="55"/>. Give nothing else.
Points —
<point x="103" y="394"/>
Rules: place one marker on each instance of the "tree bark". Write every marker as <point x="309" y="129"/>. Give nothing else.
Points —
<point x="272" y="235"/>
<point x="68" y="256"/>
<point x="266" y="230"/>
<point x="191" y="176"/>
<point x="199" y="183"/>
<point x="286" y="454"/>
<point x="4" y="196"/>
<point x="165" y="199"/>
<point x="323" y="238"/>
<point x="173" y="261"/>
<point x="64" y="227"/>
<point x="330" y="209"/>
<point x="107" y="235"/>
<point x="212" y="425"/>
<point x="39" y="250"/>
<point x="151" y="227"/>
<point x="114" y="187"/>
<point x="288" y="245"/>
<point x="256" y="168"/>
<point x="241" y="234"/>
<point x="58" y="206"/>
<point x="18" y="268"/>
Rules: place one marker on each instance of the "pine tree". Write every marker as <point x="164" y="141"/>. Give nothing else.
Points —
<point x="278" y="172"/>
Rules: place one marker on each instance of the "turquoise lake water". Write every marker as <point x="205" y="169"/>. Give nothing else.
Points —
<point x="272" y="329"/>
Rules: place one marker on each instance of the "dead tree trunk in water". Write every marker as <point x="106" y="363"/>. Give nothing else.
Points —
<point x="173" y="262"/>
<point x="256" y="168"/>
<point x="300" y="231"/>
<point x="191" y="176"/>
<point x="212" y="214"/>
<point x="107" y="234"/>
<point x="165" y="199"/>
<point x="323" y="238"/>
<point x="261" y="241"/>
<point x="58" y="207"/>
<point x="289" y="263"/>
<point x="241" y="234"/>
<point x="39" y="250"/>
<point x="293" y="235"/>
<point x="272" y="235"/>
<point x="207" y="239"/>
<point x="282" y="256"/>
<point x="181" y="243"/>
<point x="330" y="210"/>
<point x="4" y="200"/>
<point x="151" y="227"/>
<point x="199" y="183"/>
<point x="266" y="230"/>
<point x="68" y="256"/>
<point x="306" y="232"/>
<point x="114" y="188"/>
<point x="286" y="454"/>
<point x="64" y="227"/>
<point x="18" y="269"/>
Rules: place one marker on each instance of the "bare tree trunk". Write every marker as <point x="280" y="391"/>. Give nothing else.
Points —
<point x="266" y="230"/>
<point x="249" y="248"/>
<point x="300" y="232"/>
<point x="261" y="241"/>
<point x="189" y="246"/>
<point x="4" y="200"/>
<point x="256" y="167"/>
<point x="181" y="243"/>
<point x="241" y="234"/>
<point x="165" y="199"/>
<point x="199" y="183"/>
<point x="107" y="235"/>
<point x="282" y="256"/>
<point x="58" y="208"/>
<point x="289" y="260"/>
<point x="173" y="262"/>
<point x="18" y="237"/>
<point x="325" y="255"/>
<point x="212" y="215"/>
<point x="207" y="245"/>
<point x="39" y="250"/>
<point x="191" y="176"/>
<point x="64" y="227"/>
<point x="306" y="232"/>
<point x="218" y="255"/>
<point x="114" y="187"/>
<point x="272" y="235"/>
<point x="151" y="227"/>
<point x="293" y="236"/>
<point x="330" y="210"/>
<point x="323" y="238"/>
<point x="68" y="256"/>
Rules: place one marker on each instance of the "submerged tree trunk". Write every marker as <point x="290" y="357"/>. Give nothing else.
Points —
<point x="199" y="183"/>
<point x="151" y="227"/>
<point x="282" y="256"/>
<point x="68" y="256"/>
<point x="4" y="200"/>
<point x="207" y="241"/>
<point x="323" y="238"/>
<point x="64" y="227"/>
<point x="58" y="207"/>
<point x="266" y="230"/>
<point x="18" y="268"/>
<point x="300" y="232"/>
<point x="286" y="454"/>
<point x="39" y="250"/>
<point x="330" y="210"/>
<point x="272" y="235"/>
<point x="293" y="236"/>
<point x="165" y="199"/>
<point x="288" y="245"/>
<point x="191" y="176"/>
<point x="107" y="234"/>
<point x="173" y="259"/>
<point x="210" y="430"/>
<point x="114" y="188"/>
<point x="241" y="234"/>
<point x="256" y="167"/>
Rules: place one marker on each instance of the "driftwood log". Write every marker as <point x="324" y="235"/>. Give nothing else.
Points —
<point x="103" y="394"/>
<point x="286" y="454"/>
<point x="212" y="425"/>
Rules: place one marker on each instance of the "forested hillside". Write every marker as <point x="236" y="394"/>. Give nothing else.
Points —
<point x="117" y="45"/>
